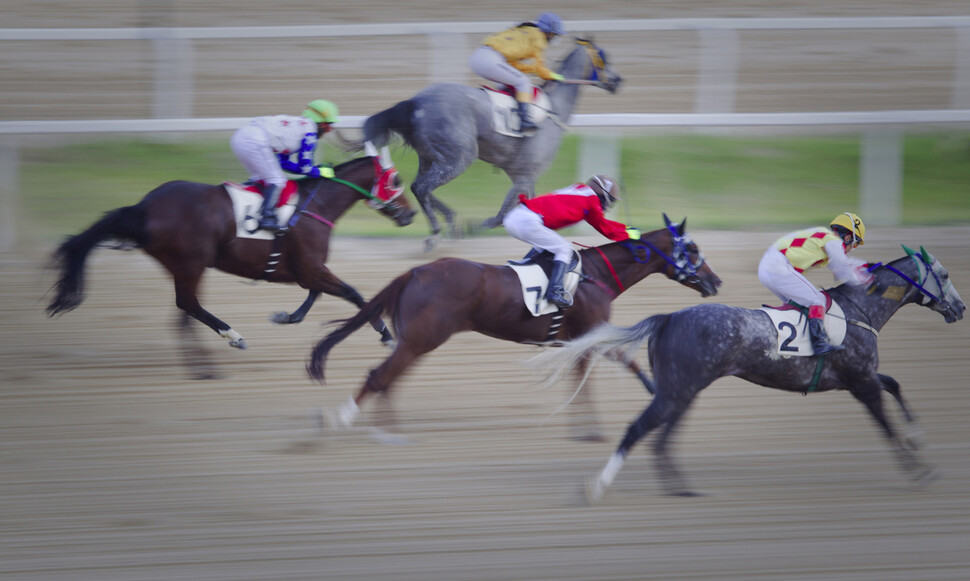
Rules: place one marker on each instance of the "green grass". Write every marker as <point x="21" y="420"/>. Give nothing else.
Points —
<point x="717" y="182"/>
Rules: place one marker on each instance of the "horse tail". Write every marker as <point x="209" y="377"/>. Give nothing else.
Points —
<point x="125" y="224"/>
<point x="385" y="302"/>
<point x="605" y="339"/>
<point x="399" y="119"/>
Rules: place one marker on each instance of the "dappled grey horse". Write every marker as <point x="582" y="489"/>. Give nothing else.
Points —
<point x="691" y="348"/>
<point x="450" y="125"/>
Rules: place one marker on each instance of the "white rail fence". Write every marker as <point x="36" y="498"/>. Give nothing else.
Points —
<point x="880" y="189"/>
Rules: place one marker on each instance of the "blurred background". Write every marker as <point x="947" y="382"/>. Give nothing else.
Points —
<point x="227" y="61"/>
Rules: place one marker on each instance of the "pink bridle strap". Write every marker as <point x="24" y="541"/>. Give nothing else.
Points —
<point x="609" y="265"/>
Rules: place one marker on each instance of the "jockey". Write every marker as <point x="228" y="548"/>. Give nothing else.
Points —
<point x="266" y="145"/>
<point x="784" y="262"/>
<point x="535" y="222"/>
<point x="500" y="59"/>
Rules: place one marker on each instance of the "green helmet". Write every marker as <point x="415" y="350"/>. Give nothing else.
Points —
<point x="321" y="111"/>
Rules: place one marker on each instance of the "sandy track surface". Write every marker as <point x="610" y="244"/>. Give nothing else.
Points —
<point x="116" y="466"/>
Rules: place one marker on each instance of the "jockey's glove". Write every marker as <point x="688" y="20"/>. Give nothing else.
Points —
<point x="326" y="171"/>
<point x="633" y="233"/>
<point x="556" y="77"/>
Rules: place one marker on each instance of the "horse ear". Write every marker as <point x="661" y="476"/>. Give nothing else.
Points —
<point x="909" y="251"/>
<point x="683" y="226"/>
<point x="667" y="221"/>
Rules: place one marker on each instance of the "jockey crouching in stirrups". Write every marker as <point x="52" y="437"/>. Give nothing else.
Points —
<point x="535" y="222"/>
<point x="266" y="145"/>
<point x="784" y="262"/>
<point x="501" y="59"/>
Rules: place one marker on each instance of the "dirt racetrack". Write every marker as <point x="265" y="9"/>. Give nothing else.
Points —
<point x="116" y="466"/>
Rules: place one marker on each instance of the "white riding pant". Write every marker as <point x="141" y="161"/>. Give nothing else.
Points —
<point x="781" y="278"/>
<point x="525" y="225"/>
<point x="251" y="146"/>
<point x="489" y="63"/>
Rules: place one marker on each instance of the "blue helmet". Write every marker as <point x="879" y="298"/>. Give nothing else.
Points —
<point x="549" y="23"/>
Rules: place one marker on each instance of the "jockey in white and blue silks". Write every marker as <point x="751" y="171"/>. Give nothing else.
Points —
<point x="268" y="145"/>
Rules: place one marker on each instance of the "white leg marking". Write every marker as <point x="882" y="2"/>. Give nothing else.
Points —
<point x="347" y="413"/>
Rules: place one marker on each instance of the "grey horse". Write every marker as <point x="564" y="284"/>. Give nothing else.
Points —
<point x="450" y="125"/>
<point x="691" y="348"/>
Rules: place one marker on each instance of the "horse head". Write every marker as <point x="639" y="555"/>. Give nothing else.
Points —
<point x="933" y="286"/>
<point x="685" y="262"/>
<point x="598" y="68"/>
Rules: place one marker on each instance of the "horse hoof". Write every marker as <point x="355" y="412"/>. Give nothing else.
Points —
<point x="926" y="475"/>
<point x="431" y="242"/>
<point x="239" y="344"/>
<point x="282" y="318"/>
<point x="390" y="343"/>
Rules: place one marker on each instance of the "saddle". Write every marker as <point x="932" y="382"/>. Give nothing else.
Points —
<point x="790" y="322"/>
<point x="246" y="200"/>
<point x="534" y="279"/>
<point x="505" y="109"/>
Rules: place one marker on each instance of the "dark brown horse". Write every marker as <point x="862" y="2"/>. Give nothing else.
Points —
<point x="430" y="303"/>
<point x="189" y="227"/>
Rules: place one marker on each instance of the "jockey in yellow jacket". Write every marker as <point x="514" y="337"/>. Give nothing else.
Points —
<point x="782" y="265"/>
<point x="506" y="57"/>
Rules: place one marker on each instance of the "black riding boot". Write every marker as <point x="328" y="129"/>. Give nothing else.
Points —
<point x="820" y="339"/>
<point x="527" y="258"/>
<point x="556" y="293"/>
<point x="267" y="211"/>
<point x="525" y="124"/>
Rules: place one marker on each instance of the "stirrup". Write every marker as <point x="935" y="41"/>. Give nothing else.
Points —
<point x="558" y="296"/>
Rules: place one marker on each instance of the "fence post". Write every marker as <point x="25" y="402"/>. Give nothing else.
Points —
<point x="881" y="177"/>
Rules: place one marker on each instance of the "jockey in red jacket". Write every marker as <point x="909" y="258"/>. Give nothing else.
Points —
<point x="535" y="221"/>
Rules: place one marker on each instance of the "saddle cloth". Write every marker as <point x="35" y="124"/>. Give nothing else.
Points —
<point x="505" y="110"/>
<point x="535" y="281"/>
<point x="246" y="201"/>
<point x="791" y="327"/>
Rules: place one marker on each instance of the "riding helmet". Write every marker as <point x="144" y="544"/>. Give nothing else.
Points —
<point x="549" y="23"/>
<point x="850" y="224"/>
<point x="606" y="189"/>
<point x="321" y="111"/>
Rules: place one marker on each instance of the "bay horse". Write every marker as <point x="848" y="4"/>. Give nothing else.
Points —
<point x="430" y="303"/>
<point x="691" y="348"/>
<point x="188" y="227"/>
<point x="450" y="125"/>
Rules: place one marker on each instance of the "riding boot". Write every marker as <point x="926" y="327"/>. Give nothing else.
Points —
<point x="820" y="339"/>
<point x="556" y="293"/>
<point x="267" y="211"/>
<point x="525" y="124"/>
<point x="527" y="258"/>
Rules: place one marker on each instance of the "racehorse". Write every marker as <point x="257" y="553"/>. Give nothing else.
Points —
<point x="691" y="348"/>
<point x="188" y="227"/>
<point x="450" y="125"/>
<point x="430" y="303"/>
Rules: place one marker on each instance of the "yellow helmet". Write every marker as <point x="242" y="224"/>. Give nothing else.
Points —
<point x="852" y="224"/>
<point x="321" y="111"/>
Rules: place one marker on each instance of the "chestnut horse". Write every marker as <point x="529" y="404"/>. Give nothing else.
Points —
<point x="430" y="303"/>
<point x="188" y="227"/>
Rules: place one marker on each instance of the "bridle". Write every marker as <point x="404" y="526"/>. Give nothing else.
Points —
<point x="924" y="268"/>
<point x="684" y="269"/>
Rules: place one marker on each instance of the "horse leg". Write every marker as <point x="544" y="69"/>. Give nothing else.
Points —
<point x="194" y="353"/>
<point x="870" y="394"/>
<point x="186" y="299"/>
<point x="378" y="382"/>
<point x="433" y="174"/>
<point x="297" y="316"/>
<point x="914" y="435"/>
<point x="671" y="479"/>
<point x="511" y="199"/>
<point x="323" y="280"/>
<point x="651" y="417"/>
